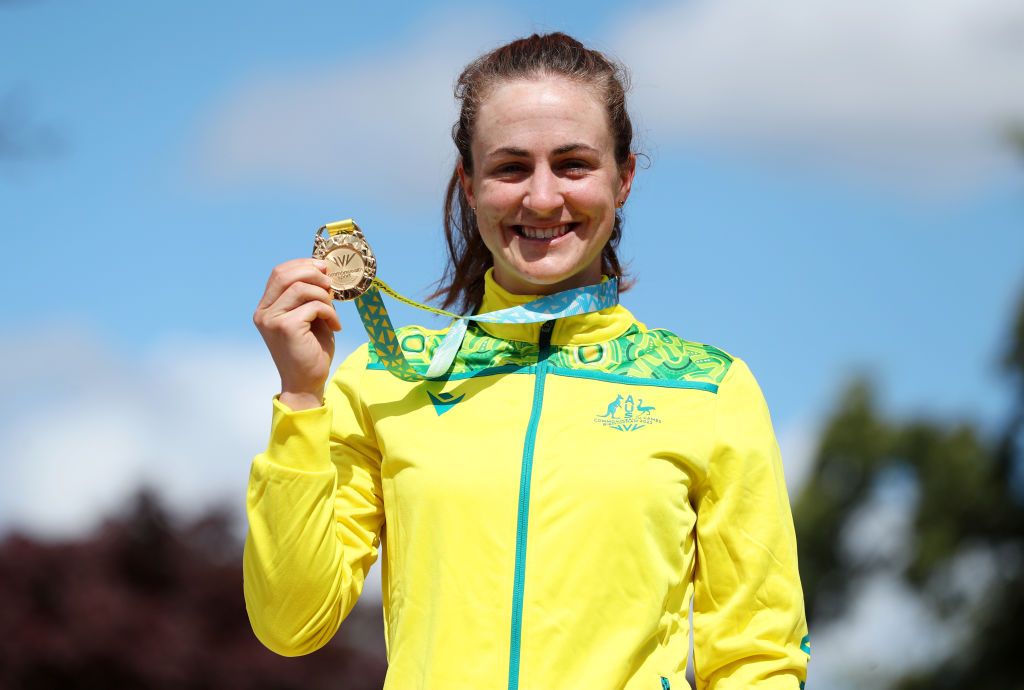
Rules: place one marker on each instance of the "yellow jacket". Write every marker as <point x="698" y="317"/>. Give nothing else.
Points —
<point x="546" y="513"/>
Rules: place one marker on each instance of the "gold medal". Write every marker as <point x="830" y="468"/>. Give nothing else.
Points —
<point x="351" y="265"/>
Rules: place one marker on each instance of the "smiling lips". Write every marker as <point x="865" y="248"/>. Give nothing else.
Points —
<point x="550" y="233"/>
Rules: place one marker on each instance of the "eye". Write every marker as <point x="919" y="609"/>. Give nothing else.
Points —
<point x="509" y="169"/>
<point x="575" y="166"/>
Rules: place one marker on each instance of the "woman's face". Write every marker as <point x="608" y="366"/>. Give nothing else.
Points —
<point x="544" y="183"/>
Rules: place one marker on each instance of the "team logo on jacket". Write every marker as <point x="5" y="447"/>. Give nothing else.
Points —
<point x="444" y="401"/>
<point x="626" y="414"/>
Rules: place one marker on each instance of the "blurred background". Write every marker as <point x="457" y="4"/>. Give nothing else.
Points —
<point x="833" y="191"/>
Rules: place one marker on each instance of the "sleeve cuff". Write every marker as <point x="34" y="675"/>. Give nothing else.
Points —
<point x="300" y="439"/>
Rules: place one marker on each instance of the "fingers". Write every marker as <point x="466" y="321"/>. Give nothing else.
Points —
<point x="297" y="294"/>
<point x="311" y="311"/>
<point x="293" y="284"/>
<point x="296" y="317"/>
<point x="312" y="271"/>
<point x="300" y="302"/>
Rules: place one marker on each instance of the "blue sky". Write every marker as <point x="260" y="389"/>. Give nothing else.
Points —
<point x="804" y="268"/>
<point x="782" y="247"/>
<point x="828" y="192"/>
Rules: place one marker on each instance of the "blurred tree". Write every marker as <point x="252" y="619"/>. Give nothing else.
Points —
<point x="967" y="503"/>
<point x="1015" y="135"/>
<point x="146" y="603"/>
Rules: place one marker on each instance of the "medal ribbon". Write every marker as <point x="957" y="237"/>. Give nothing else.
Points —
<point x="377" y="323"/>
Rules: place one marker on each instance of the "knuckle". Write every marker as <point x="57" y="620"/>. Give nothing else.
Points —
<point x="299" y="289"/>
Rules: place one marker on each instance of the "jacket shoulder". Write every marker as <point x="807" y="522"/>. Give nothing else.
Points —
<point x="671" y="356"/>
<point x="653" y="355"/>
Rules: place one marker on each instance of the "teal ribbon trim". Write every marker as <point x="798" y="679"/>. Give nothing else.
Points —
<point x="377" y="322"/>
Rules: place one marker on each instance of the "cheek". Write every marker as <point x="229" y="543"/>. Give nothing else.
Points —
<point x="488" y="224"/>
<point x="497" y="198"/>
<point x="492" y="209"/>
<point x="594" y="193"/>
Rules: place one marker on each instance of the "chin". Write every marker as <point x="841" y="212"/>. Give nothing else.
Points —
<point x="547" y="281"/>
<point x="549" y="278"/>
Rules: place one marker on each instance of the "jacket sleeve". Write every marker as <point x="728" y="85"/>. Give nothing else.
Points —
<point x="749" y="626"/>
<point x="315" y="510"/>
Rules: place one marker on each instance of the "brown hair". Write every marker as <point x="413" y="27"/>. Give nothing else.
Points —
<point x="462" y="283"/>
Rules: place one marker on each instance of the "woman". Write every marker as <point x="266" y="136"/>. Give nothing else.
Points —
<point x="549" y="506"/>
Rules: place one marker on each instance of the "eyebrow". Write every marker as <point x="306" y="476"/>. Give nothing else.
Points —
<point x="523" y="153"/>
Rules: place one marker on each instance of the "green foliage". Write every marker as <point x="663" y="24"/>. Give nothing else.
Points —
<point x="968" y="498"/>
<point x="851" y="451"/>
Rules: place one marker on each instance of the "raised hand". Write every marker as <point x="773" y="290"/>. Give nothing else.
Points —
<point x="297" y="320"/>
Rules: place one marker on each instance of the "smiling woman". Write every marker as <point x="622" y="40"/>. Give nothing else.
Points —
<point x="544" y="183"/>
<point x="551" y="504"/>
<point x="545" y="147"/>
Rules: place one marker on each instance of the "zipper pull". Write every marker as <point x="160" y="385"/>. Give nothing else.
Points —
<point x="545" y="337"/>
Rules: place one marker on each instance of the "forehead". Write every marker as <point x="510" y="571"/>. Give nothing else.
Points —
<point x="540" y="113"/>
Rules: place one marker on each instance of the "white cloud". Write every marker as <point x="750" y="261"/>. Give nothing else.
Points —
<point x="881" y="529"/>
<point x="84" y="426"/>
<point x="914" y="92"/>
<point x="376" y="124"/>
<point x="185" y="417"/>
<point x="888" y="631"/>
<point x="891" y="630"/>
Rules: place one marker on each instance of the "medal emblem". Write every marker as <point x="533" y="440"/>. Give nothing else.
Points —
<point x="351" y="265"/>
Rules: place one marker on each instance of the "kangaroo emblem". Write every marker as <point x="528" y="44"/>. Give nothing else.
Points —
<point x="612" y="407"/>
<point x="627" y="413"/>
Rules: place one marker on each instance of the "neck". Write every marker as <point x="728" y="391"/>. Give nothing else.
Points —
<point x="517" y="285"/>
<point x="593" y="327"/>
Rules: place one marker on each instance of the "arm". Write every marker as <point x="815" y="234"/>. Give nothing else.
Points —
<point x="748" y="609"/>
<point x="315" y="510"/>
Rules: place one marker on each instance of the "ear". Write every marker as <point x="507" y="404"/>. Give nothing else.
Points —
<point x="626" y="178"/>
<point x="466" y="182"/>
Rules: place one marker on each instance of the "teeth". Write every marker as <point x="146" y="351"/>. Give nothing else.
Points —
<point x="544" y="233"/>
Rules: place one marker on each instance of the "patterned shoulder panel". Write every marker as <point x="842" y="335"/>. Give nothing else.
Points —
<point x="651" y="354"/>
<point x="479" y="350"/>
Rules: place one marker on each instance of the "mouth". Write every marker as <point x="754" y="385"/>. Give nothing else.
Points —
<point x="531" y="232"/>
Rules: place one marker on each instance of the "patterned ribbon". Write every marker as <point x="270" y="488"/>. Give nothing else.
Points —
<point x="377" y="323"/>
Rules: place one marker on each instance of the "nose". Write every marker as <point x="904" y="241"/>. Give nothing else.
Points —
<point x="543" y="192"/>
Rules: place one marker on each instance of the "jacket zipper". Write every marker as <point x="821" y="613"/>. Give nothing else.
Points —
<point x="522" y="522"/>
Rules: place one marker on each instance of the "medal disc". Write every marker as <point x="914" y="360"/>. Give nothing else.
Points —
<point x="351" y="265"/>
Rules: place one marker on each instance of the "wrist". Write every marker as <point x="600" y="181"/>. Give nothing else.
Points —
<point x="301" y="400"/>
